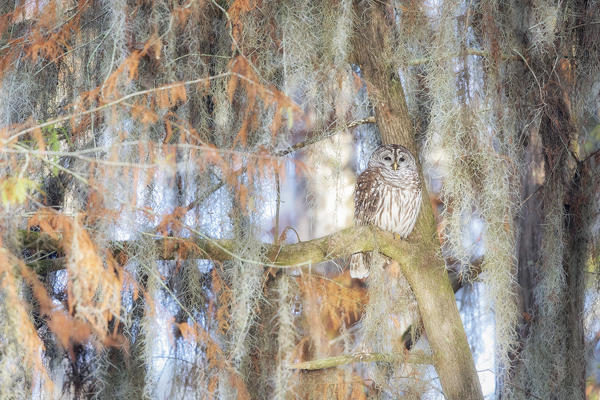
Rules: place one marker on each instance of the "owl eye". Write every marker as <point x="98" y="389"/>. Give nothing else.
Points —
<point x="388" y="158"/>
<point x="401" y="159"/>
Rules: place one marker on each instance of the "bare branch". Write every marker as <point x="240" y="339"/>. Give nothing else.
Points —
<point x="317" y="137"/>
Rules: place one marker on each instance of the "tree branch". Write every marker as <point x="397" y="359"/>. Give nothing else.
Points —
<point x="339" y="244"/>
<point x="593" y="158"/>
<point x="415" y="357"/>
<point x="317" y="137"/>
<point x="471" y="51"/>
<point x="343" y="243"/>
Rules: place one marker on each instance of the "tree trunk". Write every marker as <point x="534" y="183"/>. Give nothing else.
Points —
<point x="551" y="266"/>
<point x="554" y="228"/>
<point x="427" y="276"/>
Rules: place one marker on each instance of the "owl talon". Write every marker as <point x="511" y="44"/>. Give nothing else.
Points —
<point x="397" y="236"/>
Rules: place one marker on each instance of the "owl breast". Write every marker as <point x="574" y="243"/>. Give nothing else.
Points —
<point x="399" y="208"/>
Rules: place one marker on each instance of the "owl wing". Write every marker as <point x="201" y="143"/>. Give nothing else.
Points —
<point x="367" y="197"/>
<point x="366" y="200"/>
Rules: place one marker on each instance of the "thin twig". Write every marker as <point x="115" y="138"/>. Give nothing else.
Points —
<point x="205" y="196"/>
<point x="533" y="73"/>
<point x="277" y="206"/>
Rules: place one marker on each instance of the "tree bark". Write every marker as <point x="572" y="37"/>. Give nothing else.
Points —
<point x="557" y="196"/>
<point x="427" y="275"/>
<point x="582" y="198"/>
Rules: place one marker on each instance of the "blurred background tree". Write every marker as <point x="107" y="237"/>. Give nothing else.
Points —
<point x="161" y="161"/>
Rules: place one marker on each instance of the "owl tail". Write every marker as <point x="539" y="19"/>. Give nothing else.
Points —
<point x="359" y="265"/>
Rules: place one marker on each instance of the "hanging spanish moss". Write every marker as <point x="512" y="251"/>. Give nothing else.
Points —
<point x="160" y="160"/>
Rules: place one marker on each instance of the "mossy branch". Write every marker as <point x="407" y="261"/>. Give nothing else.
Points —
<point x="339" y="244"/>
<point x="414" y="357"/>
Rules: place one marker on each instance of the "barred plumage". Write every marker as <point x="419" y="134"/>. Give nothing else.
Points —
<point x="387" y="195"/>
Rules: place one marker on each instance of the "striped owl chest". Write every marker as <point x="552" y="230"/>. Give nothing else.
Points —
<point x="391" y="207"/>
<point x="399" y="208"/>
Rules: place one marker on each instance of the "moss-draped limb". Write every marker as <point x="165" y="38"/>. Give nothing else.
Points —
<point x="338" y="244"/>
<point x="414" y="357"/>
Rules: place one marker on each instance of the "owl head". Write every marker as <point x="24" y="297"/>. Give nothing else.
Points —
<point x="394" y="161"/>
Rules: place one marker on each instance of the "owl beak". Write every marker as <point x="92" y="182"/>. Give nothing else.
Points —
<point x="395" y="165"/>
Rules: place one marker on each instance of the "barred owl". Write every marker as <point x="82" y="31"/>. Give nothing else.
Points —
<point x="387" y="195"/>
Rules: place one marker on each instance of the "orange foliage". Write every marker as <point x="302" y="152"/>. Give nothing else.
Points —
<point x="129" y="66"/>
<point x="358" y="391"/>
<point x="37" y="134"/>
<point x="330" y="307"/>
<point x="243" y="76"/>
<point x="235" y="12"/>
<point x="338" y="303"/>
<point x="28" y="338"/>
<point x="96" y="207"/>
<point x="172" y="223"/>
<point x="95" y="282"/>
<point x="216" y="357"/>
<point x="223" y="293"/>
<point x="143" y="114"/>
<point x="181" y="14"/>
<point x="48" y="41"/>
